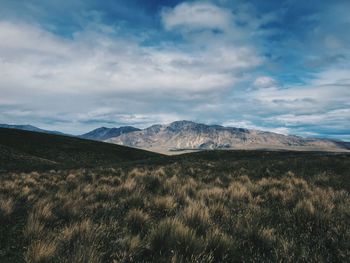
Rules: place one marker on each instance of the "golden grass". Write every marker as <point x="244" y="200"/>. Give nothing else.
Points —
<point x="41" y="251"/>
<point x="175" y="214"/>
<point x="7" y="206"/>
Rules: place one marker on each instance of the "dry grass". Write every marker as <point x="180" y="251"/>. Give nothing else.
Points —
<point x="6" y="207"/>
<point x="170" y="236"/>
<point x="41" y="251"/>
<point x="137" y="221"/>
<point x="196" y="216"/>
<point x="174" y="213"/>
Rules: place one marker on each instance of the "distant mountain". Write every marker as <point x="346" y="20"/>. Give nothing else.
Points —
<point x="186" y="135"/>
<point x="182" y="136"/>
<point x="29" y="128"/>
<point x="343" y="144"/>
<point x="103" y="133"/>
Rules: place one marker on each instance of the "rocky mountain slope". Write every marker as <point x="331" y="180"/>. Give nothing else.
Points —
<point x="103" y="133"/>
<point x="182" y="136"/>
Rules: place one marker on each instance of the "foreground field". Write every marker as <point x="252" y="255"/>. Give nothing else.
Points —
<point x="64" y="199"/>
<point x="201" y="207"/>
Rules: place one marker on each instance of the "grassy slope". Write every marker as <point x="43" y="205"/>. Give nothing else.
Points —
<point x="24" y="150"/>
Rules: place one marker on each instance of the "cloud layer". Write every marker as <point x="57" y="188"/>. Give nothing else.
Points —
<point x="236" y="63"/>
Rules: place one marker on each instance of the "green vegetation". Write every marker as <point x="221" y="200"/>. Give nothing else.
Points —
<point x="226" y="206"/>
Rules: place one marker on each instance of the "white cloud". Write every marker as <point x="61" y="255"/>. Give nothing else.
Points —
<point x="332" y="117"/>
<point x="305" y="98"/>
<point x="265" y="82"/>
<point x="249" y="125"/>
<point x="332" y="76"/>
<point x="33" y="58"/>
<point x="196" y="16"/>
<point x="46" y="76"/>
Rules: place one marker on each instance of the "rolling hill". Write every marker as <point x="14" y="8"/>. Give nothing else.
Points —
<point x="33" y="150"/>
<point x="28" y="127"/>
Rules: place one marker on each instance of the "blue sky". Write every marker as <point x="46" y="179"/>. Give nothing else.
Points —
<point x="73" y="66"/>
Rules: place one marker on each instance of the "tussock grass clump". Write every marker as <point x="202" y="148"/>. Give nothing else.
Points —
<point x="164" y="206"/>
<point x="82" y="242"/>
<point x="196" y="216"/>
<point x="7" y="206"/>
<point x="137" y="221"/>
<point x="305" y="208"/>
<point x="220" y="245"/>
<point x="172" y="236"/>
<point x="41" y="251"/>
<point x="34" y="227"/>
<point x="239" y="192"/>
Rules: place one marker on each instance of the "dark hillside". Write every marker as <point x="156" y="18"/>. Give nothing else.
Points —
<point x="29" y="150"/>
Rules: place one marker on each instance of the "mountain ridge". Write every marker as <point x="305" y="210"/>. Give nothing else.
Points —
<point x="28" y="127"/>
<point x="104" y="133"/>
<point x="185" y="135"/>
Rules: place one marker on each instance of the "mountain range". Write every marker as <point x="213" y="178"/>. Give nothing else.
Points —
<point x="181" y="136"/>
<point x="184" y="136"/>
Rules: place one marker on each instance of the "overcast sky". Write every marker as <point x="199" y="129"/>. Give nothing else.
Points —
<point x="76" y="65"/>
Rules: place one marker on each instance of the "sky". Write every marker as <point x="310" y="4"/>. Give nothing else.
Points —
<point x="280" y="66"/>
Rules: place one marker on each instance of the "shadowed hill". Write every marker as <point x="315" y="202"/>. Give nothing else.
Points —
<point x="31" y="128"/>
<point x="103" y="133"/>
<point x="32" y="150"/>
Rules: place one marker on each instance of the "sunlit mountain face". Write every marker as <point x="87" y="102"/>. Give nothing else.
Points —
<point x="279" y="66"/>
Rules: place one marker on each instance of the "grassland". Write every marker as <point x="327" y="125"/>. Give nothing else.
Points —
<point x="225" y="206"/>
